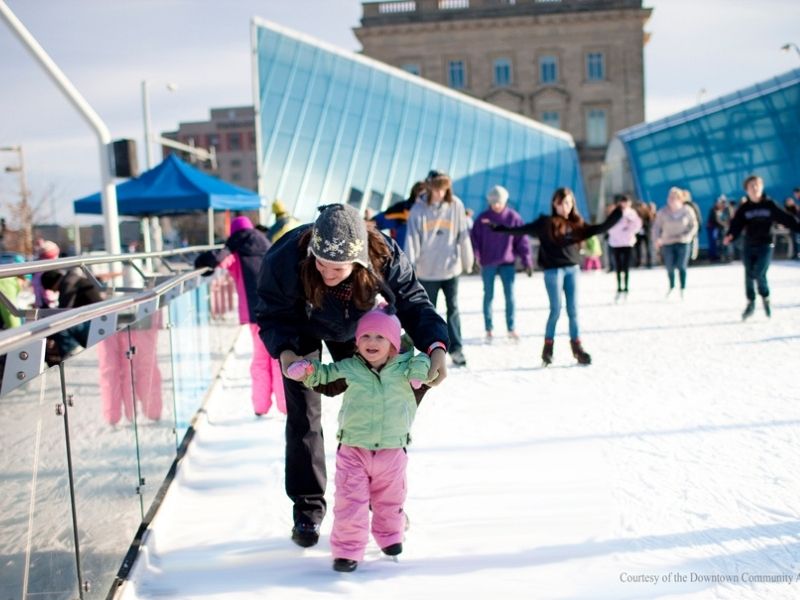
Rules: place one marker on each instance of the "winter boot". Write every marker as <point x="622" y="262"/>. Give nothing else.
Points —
<point x="344" y="565"/>
<point x="749" y="309"/>
<point x="547" y="352"/>
<point x="767" y="307"/>
<point x="393" y="549"/>
<point x="305" y="535"/>
<point x="579" y="353"/>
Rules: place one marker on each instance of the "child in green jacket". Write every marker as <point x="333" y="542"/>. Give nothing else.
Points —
<point x="378" y="408"/>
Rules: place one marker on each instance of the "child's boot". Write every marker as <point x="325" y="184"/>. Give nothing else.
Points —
<point x="344" y="565"/>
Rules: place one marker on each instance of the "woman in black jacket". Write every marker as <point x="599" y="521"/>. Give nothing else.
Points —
<point x="755" y="216"/>
<point x="560" y="235"/>
<point x="314" y="285"/>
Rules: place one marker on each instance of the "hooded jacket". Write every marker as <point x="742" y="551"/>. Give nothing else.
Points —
<point x="675" y="227"/>
<point x="756" y="219"/>
<point x="437" y="240"/>
<point x="289" y="322"/>
<point x="378" y="407"/>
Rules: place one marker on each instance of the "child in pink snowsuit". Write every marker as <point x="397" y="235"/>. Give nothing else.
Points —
<point x="378" y="408"/>
<point x="244" y="250"/>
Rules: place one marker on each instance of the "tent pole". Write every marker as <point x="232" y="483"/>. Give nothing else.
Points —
<point x="147" y="242"/>
<point x="210" y="226"/>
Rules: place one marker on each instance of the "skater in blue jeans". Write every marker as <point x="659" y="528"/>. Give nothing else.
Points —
<point x="755" y="217"/>
<point x="560" y="235"/>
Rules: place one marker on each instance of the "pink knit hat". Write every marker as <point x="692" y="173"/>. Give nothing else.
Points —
<point x="240" y="223"/>
<point x="378" y="321"/>
<point x="48" y="250"/>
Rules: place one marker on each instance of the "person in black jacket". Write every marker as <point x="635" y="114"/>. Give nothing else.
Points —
<point x="755" y="216"/>
<point x="395" y="217"/>
<point x="242" y="256"/>
<point x="314" y="285"/>
<point x="560" y="235"/>
<point x="74" y="290"/>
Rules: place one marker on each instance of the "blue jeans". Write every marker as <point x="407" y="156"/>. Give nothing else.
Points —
<point x="756" y="261"/>
<point x="676" y="256"/>
<point x="555" y="280"/>
<point x="450" y="289"/>
<point x="507" y="274"/>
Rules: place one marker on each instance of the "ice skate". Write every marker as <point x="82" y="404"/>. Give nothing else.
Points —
<point x="583" y="357"/>
<point x="547" y="353"/>
<point x="749" y="310"/>
<point x="767" y="307"/>
<point x="344" y="565"/>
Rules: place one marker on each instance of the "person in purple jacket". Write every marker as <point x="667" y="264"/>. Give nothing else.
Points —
<point x="497" y="254"/>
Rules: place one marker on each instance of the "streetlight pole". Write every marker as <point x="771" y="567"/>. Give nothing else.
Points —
<point x="789" y="45"/>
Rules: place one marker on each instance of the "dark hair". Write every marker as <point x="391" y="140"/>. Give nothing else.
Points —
<point x="573" y="220"/>
<point x="416" y="189"/>
<point x="366" y="282"/>
<point x="438" y="180"/>
<point x="51" y="279"/>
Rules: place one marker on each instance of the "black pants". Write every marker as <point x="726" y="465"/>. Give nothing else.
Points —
<point x="305" y="475"/>
<point x="622" y="261"/>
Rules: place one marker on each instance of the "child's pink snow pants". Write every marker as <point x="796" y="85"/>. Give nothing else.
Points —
<point x="364" y="478"/>
<point x="116" y="385"/>
<point x="265" y="372"/>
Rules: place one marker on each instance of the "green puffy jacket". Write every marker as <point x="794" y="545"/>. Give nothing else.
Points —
<point x="378" y="407"/>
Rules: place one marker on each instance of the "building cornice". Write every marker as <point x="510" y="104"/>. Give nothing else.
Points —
<point x="505" y="22"/>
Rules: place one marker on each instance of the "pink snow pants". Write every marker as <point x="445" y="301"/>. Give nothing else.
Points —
<point x="364" y="478"/>
<point x="265" y="373"/>
<point x="117" y="388"/>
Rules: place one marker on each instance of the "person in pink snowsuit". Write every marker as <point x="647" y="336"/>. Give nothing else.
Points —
<point x="242" y="255"/>
<point x="378" y="408"/>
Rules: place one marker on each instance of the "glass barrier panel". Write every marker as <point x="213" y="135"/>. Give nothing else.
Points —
<point x="37" y="544"/>
<point x="104" y="458"/>
<point x="154" y="408"/>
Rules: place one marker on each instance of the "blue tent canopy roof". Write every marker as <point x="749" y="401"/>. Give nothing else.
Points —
<point x="173" y="187"/>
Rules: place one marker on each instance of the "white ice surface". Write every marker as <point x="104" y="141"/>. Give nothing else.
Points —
<point x="675" y="454"/>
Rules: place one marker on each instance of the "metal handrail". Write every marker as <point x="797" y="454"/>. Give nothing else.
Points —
<point x="39" y="266"/>
<point x="13" y="339"/>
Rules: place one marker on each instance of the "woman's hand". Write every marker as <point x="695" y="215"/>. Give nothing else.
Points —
<point x="438" y="370"/>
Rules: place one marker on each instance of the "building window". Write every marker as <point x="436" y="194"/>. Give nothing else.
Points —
<point x="234" y="141"/>
<point x="213" y="140"/>
<point x="412" y="68"/>
<point x="502" y="72"/>
<point x="595" y="66"/>
<point x="596" y="127"/>
<point x="457" y="74"/>
<point x="548" y="69"/>
<point x="552" y="118"/>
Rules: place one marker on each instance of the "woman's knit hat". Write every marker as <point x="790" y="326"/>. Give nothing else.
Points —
<point x="47" y="250"/>
<point x="340" y="235"/>
<point x="379" y="321"/>
<point x="497" y="195"/>
<point x="240" y="223"/>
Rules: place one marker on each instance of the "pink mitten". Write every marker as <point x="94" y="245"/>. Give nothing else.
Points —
<point x="415" y="383"/>
<point x="299" y="370"/>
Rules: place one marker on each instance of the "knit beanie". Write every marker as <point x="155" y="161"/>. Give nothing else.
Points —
<point x="379" y="321"/>
<point x="240" y="223"/>
<point x="48" y="250"/>
<point x="497" y="195"/>
<point x="340" y="235"/>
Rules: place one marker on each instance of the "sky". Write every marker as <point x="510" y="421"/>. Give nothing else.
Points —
<point x="643" y="476"/>
<point x="106" y="49"/>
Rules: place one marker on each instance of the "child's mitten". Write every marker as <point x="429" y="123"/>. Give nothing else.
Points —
<point x="299" y="370"/>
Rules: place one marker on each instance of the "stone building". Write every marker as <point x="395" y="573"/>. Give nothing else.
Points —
<point x="576" y="65"/>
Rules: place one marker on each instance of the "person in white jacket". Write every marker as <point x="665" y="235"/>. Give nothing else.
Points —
<point x="439" y="247"/>
<point x="622" y="239"/>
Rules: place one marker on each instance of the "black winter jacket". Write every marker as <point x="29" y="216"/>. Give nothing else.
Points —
<point x="250" y="245"/>
<point x="756" y="218"/>
<point x="288" y="322"/>
<point x="560" y="252"/>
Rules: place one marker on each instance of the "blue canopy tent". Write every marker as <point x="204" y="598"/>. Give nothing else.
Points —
<point x="170" y="188"/>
